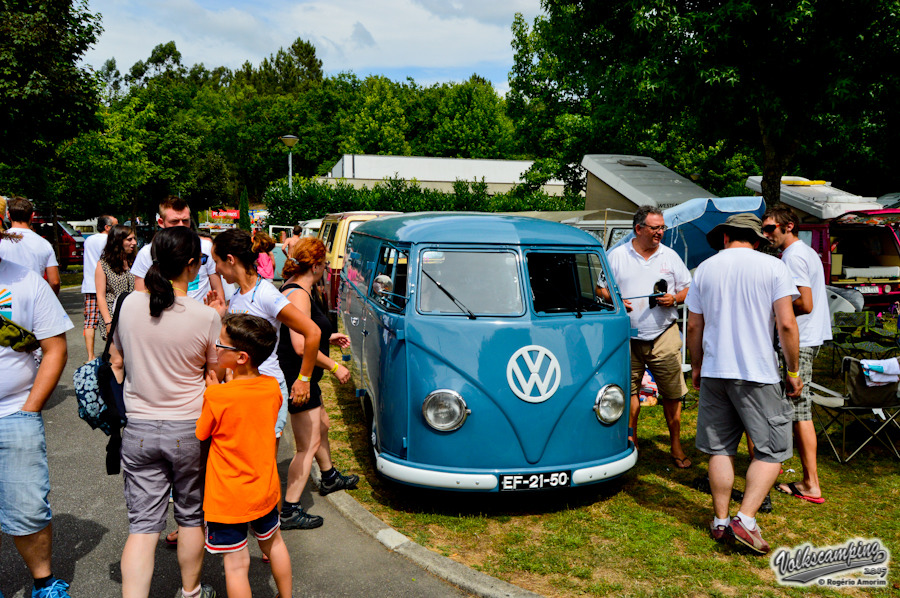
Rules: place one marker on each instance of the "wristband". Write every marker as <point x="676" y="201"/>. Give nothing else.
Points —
<point x="303" y="378"/>
<point x="793" y="374"/>
<point x="335" y="367"/>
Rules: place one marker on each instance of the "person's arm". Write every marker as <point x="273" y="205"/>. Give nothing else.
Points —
<point x="298" y="341"/>
<point x="215" y="284"/>
<point x="139" y="284"/>
<point x="695" y="326"/>
<point x="52" y="273"/>
<point x="804" y="303"/>
<point x="55" y="354"/>
<point x="789" y="336"/>
<point x="102" y="306"/>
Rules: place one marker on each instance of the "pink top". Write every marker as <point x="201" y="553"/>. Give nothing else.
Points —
<point x="265" y="266"/>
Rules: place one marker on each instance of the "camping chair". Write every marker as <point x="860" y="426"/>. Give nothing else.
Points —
<point x="858" y="334"/>
<point x="862" y="404"/>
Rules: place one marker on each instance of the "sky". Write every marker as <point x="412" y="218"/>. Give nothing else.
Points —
<point x="432" y="41"/>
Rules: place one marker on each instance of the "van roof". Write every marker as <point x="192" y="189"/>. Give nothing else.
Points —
<point x="474" y="228"/>
<point x="342" y="215"/>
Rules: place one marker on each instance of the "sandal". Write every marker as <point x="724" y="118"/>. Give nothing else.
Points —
<point x="172" y="538"/>
<point x="684" y="463"/>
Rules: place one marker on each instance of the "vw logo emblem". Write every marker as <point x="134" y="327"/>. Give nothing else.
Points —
<point x="541" y="372"/>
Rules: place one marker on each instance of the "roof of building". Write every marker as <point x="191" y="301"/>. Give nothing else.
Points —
<point x="474" y="228"/>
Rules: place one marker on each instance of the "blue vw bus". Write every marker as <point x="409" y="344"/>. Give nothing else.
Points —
<point x="484" y="357"/>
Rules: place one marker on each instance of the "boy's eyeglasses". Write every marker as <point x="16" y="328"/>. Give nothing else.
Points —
<point x="769" y="228"/>
<point x="226" y="347"/>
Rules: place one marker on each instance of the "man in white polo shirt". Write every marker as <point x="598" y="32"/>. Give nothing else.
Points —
<point x="32" y="251"/>
<point x="174" y="211"/>
<point x="638" y="266"/>
<point x="780" y="226"/>
<point x="93" y="248"/>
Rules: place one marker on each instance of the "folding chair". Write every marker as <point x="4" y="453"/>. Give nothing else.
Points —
<point x="875" y="408"/>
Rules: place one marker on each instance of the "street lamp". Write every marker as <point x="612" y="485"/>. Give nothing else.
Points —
<point x="290" y="141"/>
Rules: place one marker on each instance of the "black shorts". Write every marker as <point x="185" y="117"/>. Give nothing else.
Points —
<point x="315" y="400"/>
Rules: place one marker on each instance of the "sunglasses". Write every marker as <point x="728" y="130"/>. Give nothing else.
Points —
<point x="226" y="347"/>
<point x="769" y="228"/>
<point x="203" y="259"/>
<point x="656" y="229"/>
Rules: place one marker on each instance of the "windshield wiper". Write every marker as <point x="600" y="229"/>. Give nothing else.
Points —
<point x="449" y="295"/>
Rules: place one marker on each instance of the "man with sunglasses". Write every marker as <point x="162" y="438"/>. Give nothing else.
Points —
<point x="780" y="226"/>
<point x="174" y="211"/>
<point x="639" y="268"/>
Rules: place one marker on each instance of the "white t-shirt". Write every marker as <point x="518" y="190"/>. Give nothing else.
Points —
<point x="32" y="251"/>
<point x="27" y="300"/>
<point x="199" y="287"/>
<point x="636" y="276"/>
<point x="734" y="291"/>
<point x="806" y="268"/>
<point x="93" y="249"/>
<point x="265" y="301"/>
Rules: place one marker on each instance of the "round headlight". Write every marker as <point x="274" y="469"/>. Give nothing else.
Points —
<point x="445" y="410"/>
<point x="887" y="288"/>
<point x="610" y="404"/>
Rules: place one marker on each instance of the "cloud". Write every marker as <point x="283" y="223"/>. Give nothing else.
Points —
<point x="364" y="36"/>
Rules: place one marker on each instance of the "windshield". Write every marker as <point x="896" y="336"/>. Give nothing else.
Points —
<point x="482" y="282"/>
<point x="566" y="282"/>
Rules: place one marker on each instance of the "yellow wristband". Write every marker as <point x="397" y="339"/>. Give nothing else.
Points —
<point x="303" y="378"/>
<point x="335" y="367"/>
<point x="793" y="374"/>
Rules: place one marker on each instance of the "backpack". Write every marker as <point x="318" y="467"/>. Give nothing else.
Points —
<point x="101" y="398"/>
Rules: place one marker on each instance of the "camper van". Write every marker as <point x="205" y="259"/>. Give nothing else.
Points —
<point x="861" y="251"/>
<point x="485" y="359"/>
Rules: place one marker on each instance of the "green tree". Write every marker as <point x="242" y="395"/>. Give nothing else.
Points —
<point x="471" y="122"/>
<point x="46" y="97"/>
<point x="759" y="74"/>
<point x="380" y="126"/>
<point x="244" y="208"/>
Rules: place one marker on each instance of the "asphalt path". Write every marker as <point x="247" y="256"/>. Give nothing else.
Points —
<point x="90" y="525"/>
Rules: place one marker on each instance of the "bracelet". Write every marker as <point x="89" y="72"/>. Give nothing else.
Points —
<point x="793" y="374"/>
<point x="303" y="378"/>
<point x="335" y="367"/>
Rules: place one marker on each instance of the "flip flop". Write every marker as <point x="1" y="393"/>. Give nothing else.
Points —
<point x="172" y="538"/>
<point x="680" y="463"/>
<point x="795" y="492"/>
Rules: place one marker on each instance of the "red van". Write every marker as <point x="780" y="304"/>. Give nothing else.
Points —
<point x="71" y="243"/>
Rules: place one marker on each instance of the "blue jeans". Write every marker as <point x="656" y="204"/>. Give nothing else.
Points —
<point x="24" y="474"/>
<point x="283" y="411"/>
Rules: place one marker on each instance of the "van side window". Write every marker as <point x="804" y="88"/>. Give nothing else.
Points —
<point x="566" y="282"/>
<point x="389" y="285"/>
<point x="328" y="235"/>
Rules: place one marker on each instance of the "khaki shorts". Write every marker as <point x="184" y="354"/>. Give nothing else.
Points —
<point x="662" y="356"/>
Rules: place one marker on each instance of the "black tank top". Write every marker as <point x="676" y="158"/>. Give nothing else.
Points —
<point x="288" y="358"/>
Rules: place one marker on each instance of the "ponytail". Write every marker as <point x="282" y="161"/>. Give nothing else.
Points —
<point x="172" y="250"/>
<point x="263" y="243"/>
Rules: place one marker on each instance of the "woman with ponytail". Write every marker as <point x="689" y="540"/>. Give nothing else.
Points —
<point x="236" y="263"/>
<point x="168" y="342"/>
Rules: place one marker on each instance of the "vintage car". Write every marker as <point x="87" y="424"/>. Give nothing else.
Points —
<point x="484" y="357"/>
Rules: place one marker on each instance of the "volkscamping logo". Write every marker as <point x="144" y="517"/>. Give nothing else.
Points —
<point x="830" y="566"/>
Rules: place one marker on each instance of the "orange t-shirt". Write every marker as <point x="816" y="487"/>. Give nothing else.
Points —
<point x="241" y="473"/>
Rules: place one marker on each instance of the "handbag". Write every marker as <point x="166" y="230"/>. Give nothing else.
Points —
<point x="101" y="398"/>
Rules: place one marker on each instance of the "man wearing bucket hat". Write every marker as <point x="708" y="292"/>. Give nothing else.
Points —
<point x="642" y="267"/>
<point x="738" y="298"/>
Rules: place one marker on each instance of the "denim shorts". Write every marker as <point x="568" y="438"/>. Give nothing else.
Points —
<point x="24" y="474"/>
<point x="157" y="456"/>
<point x="232" y="537"/>
<point x="283" y="411"/>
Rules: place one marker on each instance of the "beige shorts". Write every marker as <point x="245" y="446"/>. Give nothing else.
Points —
<point x="662" y="356"/>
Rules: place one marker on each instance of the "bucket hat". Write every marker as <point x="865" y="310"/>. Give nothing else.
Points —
<point x="746" y="220"/>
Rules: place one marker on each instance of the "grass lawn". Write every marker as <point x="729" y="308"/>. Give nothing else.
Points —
<point x="70" y="277"/>
<point x="642" y="535"/>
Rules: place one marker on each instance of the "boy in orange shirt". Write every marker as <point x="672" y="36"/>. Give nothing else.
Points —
<point x="242" y="485"/>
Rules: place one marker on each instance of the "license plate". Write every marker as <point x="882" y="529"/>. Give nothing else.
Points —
<point x="868" y="290"/>
<point x="536" y="481"/>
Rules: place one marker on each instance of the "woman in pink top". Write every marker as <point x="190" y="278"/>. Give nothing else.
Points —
<point x="263" y="244"/>
<point x="168" y="342"/>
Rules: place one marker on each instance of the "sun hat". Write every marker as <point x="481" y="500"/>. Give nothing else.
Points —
<point x="746" y="220"/>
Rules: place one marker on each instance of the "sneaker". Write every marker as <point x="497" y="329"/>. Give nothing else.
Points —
<point x="719" y="533"/>
<point x="300" y="519"/>
<point x="206" y="591"/>
<point x="766" y="506"/>
<point x="338" y="482"/>
<point x="55" y="589"/>
<point x="751" y="539"/>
